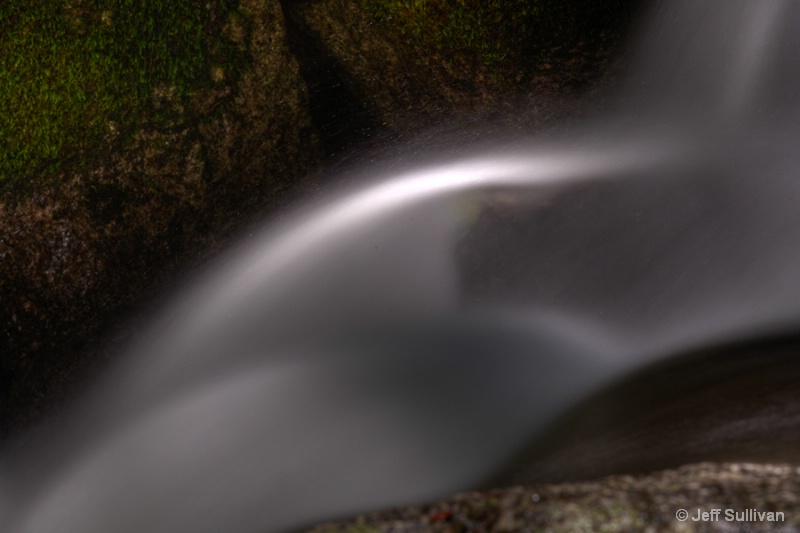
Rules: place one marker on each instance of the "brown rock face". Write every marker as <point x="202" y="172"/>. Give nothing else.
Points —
<point x="74" y="256"/>
<point x="372" y="80"/>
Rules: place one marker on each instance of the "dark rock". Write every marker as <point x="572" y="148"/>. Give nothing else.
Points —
<point x="79" y="251"/>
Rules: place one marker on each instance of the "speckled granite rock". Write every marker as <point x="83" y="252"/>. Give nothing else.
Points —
<point x="652" y="503"/>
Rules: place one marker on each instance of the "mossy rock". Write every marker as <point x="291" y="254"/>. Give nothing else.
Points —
<point x="78" y="72"/>
<point x="143" y="172"/>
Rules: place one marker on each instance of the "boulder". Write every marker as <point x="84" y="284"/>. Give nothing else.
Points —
<point x="79" y="249"/>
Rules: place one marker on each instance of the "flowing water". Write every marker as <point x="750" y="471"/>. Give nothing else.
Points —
<point x="406" y="340"/>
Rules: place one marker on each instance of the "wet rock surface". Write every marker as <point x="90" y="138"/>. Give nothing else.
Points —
<point x="732" y="403"/>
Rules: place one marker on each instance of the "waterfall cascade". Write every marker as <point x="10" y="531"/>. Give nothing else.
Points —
<point x="404" y="341"/>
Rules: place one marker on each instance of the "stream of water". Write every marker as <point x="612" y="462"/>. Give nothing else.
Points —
<point x="404" y="341"/>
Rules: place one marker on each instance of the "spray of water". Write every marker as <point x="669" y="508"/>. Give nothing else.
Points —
<point x="403" y="341"/>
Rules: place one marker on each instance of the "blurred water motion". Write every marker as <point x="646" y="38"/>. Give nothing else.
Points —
<point x="404" y="341"/>
<point x="732" y="66"/>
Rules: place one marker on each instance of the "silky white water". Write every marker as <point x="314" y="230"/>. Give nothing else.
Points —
<point x="403" y="341"/>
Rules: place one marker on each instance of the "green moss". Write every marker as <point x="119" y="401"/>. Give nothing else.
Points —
<point x="75" y="73"/>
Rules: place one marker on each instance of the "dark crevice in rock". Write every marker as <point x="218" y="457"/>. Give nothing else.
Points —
<point x="340" y="116"/>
